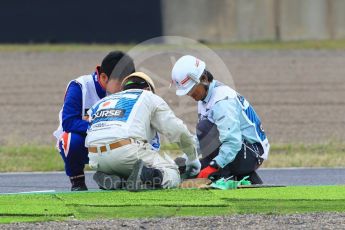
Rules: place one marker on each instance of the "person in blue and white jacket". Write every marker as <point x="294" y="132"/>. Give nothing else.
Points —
<point x="80" y="96"/>
<point x="230" y="134"/>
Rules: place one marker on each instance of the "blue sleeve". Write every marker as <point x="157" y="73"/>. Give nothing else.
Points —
<point x="72" y="110"/>
<point x="155" y="142"/>
<point x="226" y="116"/>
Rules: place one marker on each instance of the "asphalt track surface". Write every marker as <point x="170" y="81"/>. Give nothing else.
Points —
<point x="57" y="181"/>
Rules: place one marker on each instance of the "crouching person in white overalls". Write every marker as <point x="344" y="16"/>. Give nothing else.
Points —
<point x="121" y="127"/>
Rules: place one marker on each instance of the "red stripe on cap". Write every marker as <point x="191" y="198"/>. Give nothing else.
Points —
<point x="185" y="80"/>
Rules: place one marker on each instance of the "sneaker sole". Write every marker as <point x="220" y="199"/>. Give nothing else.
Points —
<point x="107" y="182"/>
<point x="134" y="183"/>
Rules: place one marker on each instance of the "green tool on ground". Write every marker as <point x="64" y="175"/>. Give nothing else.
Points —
<point x="227" y="183"/>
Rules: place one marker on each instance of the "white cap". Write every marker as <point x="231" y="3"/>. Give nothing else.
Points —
<point x="186" y="73"/>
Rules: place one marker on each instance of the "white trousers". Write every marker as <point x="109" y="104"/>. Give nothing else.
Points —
<point x="120" y="162"/>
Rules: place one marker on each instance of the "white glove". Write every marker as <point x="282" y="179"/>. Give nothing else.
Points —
<point x="193" y="167"/>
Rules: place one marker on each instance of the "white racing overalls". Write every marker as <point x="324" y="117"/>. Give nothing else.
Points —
<point x="137" y="115"/>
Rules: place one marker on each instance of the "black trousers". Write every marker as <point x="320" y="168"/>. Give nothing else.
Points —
<point x="247" y="160"/>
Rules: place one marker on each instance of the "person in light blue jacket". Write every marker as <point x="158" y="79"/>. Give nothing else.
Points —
<point x="230" y="134"/>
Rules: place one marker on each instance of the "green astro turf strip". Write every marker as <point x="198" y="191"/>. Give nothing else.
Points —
<point x="167" y="203"/>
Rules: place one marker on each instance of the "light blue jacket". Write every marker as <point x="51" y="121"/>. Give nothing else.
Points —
<point x="236" y="121"/>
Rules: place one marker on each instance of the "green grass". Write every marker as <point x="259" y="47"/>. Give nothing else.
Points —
<point x="291" y="45"/>
<point x="28" y="158"/>
<point x="168" y="203"/>
<point x="63" y="47"/>
<point x="331" y="154"/>
<point x="46" y="158"/>
<point x="258" y="45"/>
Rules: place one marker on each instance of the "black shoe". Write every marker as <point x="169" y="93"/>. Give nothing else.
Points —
<point x="143" y="177"/>
<point x="78" y="183"/>
<point x="181" y="163"/>
<point x="79" y="188"/>
<point x="108" y="182"/>
<point x="254" y="178"/>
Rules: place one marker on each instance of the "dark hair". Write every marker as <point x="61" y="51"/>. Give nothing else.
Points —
<point x="208" y="75"/>
<point x="117" y="65"/>
<point x="135" y="83"/>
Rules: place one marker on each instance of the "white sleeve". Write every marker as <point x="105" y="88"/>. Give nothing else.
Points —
<point x="164" y="120"/>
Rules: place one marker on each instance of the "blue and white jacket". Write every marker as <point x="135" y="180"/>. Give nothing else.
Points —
<point x="236" y="121"/>
<point x="80" y="95"/>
